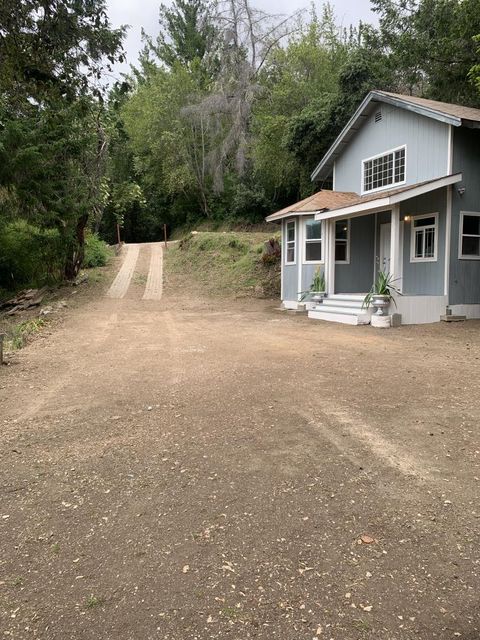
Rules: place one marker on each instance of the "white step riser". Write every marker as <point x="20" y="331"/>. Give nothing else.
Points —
<point x="349" y="311"/>
<point x="353" y="297"/>
<point x="333" y="302"/>
<point x="334" y="317"/>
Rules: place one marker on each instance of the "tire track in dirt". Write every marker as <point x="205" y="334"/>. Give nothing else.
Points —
<point x="154" y="287"/>
<point x="333" y="422"/>
<point x="121" y="283"/>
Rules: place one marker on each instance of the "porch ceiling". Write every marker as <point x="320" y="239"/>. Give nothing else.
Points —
<point x="372" y="203"/>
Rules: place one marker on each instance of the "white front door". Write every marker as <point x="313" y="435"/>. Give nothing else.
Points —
<point x="384" y="251"/>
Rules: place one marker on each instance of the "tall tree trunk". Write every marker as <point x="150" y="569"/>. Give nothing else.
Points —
<point x="76" y="252"/>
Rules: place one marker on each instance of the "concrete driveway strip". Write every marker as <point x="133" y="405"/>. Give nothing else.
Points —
<point x="121" y="283"/>
<point x="154" y="287"/>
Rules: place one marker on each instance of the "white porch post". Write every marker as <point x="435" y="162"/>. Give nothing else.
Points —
<point x="329" y="227"/>
<point x="395" y="242"/>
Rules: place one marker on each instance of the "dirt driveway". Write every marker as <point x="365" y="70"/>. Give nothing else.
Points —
<point x="183" y="468"/>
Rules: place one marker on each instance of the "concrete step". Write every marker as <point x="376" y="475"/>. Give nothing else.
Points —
<point x="452" y="318"/>
<point x="339" y="314"/>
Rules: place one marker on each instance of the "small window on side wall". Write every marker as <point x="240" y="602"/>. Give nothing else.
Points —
<point x="469" y="235"/>
<point x="342" y="241"/>
<point x="424" y="238"/>
<point x="313" y="241"/>
<point x="290" y="243"/>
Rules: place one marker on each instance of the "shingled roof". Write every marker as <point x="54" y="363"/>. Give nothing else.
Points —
<point x="320" y="201"/>
<point x="467" y="114"/>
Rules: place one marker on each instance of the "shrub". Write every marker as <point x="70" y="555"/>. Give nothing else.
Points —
<point x="97" y="252"/>
<point x="29" y="255"/>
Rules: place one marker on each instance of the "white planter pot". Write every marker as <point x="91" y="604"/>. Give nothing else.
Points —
<point x="381" y="322"/>
<point x="380" y="303"/>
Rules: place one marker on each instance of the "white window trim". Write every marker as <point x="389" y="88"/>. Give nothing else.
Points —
<point x="295" y="243"/>
<point x="388" y="186"/>
<point x="412" y="238"/>
<point x="460" y="235"/>
<point x="347" y="261"/>
<point x="305" y="261"/>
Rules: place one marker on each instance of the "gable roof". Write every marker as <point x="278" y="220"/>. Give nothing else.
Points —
<point x="452" y="114"/>
<point x="320" y="201"/>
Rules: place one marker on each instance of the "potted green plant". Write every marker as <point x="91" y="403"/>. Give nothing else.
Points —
<point x="381" y="294"/>
<point x="316" y="293"/>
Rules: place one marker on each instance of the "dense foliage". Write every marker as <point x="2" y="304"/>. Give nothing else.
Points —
<point x="223" y="118"/>
<point x="229" y="124"/>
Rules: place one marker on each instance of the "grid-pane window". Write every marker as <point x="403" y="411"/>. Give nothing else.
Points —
<point x="313" y="240"/>
<point x="470" y="235"/>
<point x="290" y="243"/>
<point x="424" y="238"/>
<point x="341" y="240"/>
<point x="385" y="170"/>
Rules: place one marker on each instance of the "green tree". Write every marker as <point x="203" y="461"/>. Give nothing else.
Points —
<point x="52" y="135"/>
<point x="186" y="34"/>
<point x="430" y="46"/>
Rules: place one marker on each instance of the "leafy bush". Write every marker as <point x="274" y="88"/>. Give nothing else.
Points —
<point x="29" y="255"/>
<point x="97" y="252"/>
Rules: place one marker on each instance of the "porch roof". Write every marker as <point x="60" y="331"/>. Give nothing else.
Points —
<point x="324" y="199"/>
<point x="380" y="201"/>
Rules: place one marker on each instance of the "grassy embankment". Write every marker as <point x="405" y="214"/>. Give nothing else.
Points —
<point x="223" y="264"/>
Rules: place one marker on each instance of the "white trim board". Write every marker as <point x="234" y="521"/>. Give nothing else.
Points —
<point x="290" y="304"/>
<point x="276" y="217"/>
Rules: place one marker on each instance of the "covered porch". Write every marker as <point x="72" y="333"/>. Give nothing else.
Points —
<point x="405" y="232"/>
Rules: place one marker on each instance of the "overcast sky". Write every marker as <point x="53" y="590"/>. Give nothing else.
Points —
<point x="144" y="13"/>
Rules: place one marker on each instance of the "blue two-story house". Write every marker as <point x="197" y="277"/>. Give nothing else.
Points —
<point x="405" y="199"/>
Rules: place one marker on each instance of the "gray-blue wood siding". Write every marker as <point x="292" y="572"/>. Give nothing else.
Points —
<point x="357" y="276"/>
<point x="289" y="271"/>
<point x="465" y="274"/>
<point x="424" y="278"/>
<point x="426" y="140"/>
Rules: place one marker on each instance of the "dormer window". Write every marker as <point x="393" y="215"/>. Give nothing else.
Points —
<point x="384" y="170"/>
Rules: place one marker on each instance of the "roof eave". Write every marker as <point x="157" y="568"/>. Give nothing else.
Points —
<point x="419" y="109"/>
<point x="345" y="130"/>
<point x="276" y="217"/>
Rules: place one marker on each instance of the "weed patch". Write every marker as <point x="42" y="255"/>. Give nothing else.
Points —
<point x="19" y="335"/>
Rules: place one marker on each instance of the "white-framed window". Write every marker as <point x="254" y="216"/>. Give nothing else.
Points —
<point x="424" y="238"/>
<point x="342" y="241"/>
<point x="385" y="170"/>
<point x="469" y="235"/>
<point x="313" y="241"/>
<point x="290" y="242"/>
